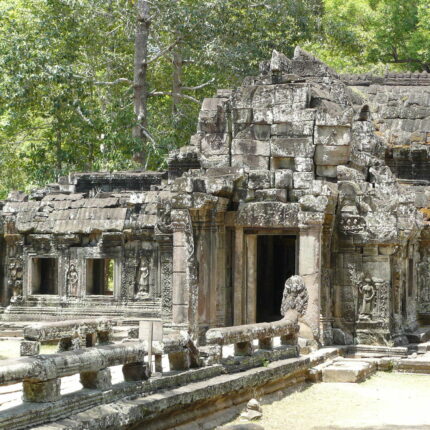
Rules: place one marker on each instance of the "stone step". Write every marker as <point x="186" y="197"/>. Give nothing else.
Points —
<point x="347" y="370"/>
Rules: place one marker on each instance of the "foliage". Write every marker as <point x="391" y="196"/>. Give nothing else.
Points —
<point x="375" y="35"/>
<point x="66" y="98"/>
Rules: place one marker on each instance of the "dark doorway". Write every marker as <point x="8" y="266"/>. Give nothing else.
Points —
<point x="276" y="262"/>
<point x="100" y="276"/>
<point x="44" y="276"/>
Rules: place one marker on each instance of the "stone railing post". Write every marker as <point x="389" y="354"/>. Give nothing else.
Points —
<point x="265" y="343"/>
<point x="41" y="391"/>
<point x="29" y="348"/>
<point x="179" y="360"/>
<point x="135" y="372"/>
<point x="243" y="348"/>
<point x="98" y="380"/>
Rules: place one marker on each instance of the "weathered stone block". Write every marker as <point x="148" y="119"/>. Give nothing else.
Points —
<point x="261" y="131"/>
<point x="292" y="147"/>
<point x="333" y="136"/>
<point x="41" y="392"/>
<point x="348" y="174"/>
<point x="242" y="116"/>
<point x="331" y="155"/>
<point x="262" y="116"/>
<point x="219" y="186"/>
<point x="313" y="204"/>
<point x="327" y="171"/>
<point x="303" y="164"/>
<point x="100" y="380"/>
<point x="214" y="161"/>
<point x="259" y="179"/>
<point x="215" y="144"/>
<point x="271" y="195"/>
<point x="302" y="180"/>
<point x="283" y="178"/>
<point x="286" y="113"/>
<point x="293" y="129"/>
<point x="347" y="371"/>
<point x="29" y="347"/>
<point x="264" y="96"/>
<point x="250" y="147"/>
<point x="256" y="162"/>
<point x="211" y="122"/>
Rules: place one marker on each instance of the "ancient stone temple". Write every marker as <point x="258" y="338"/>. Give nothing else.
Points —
<point x="298" y="172"/>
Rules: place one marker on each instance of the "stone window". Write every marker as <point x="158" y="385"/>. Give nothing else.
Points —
<point x="100" y="276"/>
<point x="44" y="275"/>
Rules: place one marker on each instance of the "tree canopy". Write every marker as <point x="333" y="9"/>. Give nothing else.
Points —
<point x="66" y="82"/>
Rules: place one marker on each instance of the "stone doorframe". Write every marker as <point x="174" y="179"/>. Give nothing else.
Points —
<point x="308" y="266"/>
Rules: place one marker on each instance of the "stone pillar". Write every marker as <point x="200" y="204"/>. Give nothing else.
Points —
<point x="310" y="270"/>
<point x="99" y="380"/>
<point x="251" y="278"/>
<point x="41" y="392"/>
<point x="179" y="287"/>
<point x="238" y="296"/>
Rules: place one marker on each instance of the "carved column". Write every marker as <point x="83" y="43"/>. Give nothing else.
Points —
<point x="310" y="271"/>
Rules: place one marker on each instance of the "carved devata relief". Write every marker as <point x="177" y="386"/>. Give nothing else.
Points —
<point x="372" y="296"/>
<point x="72" y="281"/>
<point x="143" y="278"/>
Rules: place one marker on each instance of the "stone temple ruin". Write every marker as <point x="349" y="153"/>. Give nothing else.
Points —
<point x="298" y="172"/>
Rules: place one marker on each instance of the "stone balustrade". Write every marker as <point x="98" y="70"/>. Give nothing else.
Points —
<point x="71" y="334"/>
<point x="41" y="375"/>
<point x="242" y="336"/>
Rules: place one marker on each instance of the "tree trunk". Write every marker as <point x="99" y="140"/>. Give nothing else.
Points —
<point x="176" y="79"/>
<point x="140" y="76"/>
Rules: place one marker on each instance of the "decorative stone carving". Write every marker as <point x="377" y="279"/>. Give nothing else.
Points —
<point x="367" y="291"/>
<point x="164" y="220"/>
<point x="72" y="281"/>
<point x="15" y="278"/>
<point x="143" y="283"/>
<point x="295" y="296"/>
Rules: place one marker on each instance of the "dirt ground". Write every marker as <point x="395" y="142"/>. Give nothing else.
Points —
<point x="386" y="401"/>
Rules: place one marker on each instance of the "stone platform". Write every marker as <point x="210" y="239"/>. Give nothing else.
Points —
<point x="347" y="370"/>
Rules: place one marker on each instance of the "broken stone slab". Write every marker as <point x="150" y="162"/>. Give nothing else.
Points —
<point x="347" y="370"/>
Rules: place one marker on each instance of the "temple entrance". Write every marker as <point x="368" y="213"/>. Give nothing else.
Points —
<point x="276" y="262"/>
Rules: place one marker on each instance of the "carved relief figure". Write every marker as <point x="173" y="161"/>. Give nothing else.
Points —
<point x="367" y="290"/>
<point x="143" y="283"/>
<point x="72" y="281"/>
